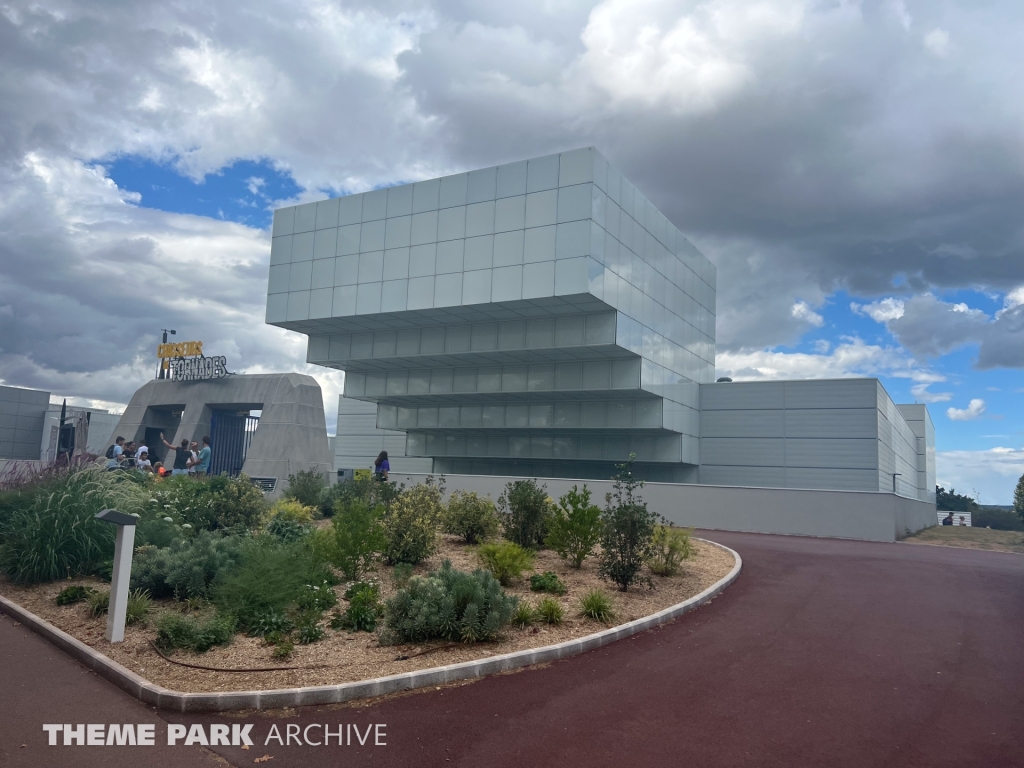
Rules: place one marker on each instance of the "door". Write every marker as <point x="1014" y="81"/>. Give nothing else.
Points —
<point x="157" y="450"/>
<point x="230" y="436"/>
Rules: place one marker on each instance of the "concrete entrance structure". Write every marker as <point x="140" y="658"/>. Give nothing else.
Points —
<point x="292" y="431"/>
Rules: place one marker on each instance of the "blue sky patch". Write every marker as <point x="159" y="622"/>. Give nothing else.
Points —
<point x="242" y="192"/>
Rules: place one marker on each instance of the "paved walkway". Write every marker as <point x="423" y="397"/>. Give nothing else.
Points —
<point x="825" y="652"/>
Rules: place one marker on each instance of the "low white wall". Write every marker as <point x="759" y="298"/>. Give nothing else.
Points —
<point x="841" y="514"/>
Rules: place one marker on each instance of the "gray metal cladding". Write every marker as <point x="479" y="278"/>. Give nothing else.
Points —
<point x="822" y="422"/>
<point x="742" y="423"/>
<point x="755" y="477"/>
<point x="750" y="452"/>
<point x="841" y="433"/>
<point x="754" y="395"/>
<point x="833" y="479"/>
<point x="832" y="393"/>
<point x="832" y="453"/>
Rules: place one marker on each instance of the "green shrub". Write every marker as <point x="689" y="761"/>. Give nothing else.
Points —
<point x="270" y="623"/>
<point x="159" y="532"/>
<point x="448" y="605"/>
<point x="997" y="519"/>
<point x="74" y="594"/>
<point x="353" y="542"/>
<point x="99" y="602"/>
<point x="364" y="608"/>
<point x="574" y="528"/>
<point x="290" y="509"/>
<point x="365" y="489"/>
<point x="269" y="576"/>
<point x="308" y="628"/>
<point x="628" y="531"/>
<point x="548" y="582"/>
<point x="550" y="611"/>
<point x="317" y="597"/>
<point x="283" y="649"/>
<point x="410" y="523"/>
<point x="173" y="630"/>
<point x="524" y="509"/>
<point x="523" y="615"/>
<point x="506" y="561"/>
<point x="211" y="503"/>
<point x="596" y="605"/>
<point x="287" y="530"/>
<point x="471" y="517"/>
<point x="188" y="568"/>
<point x="305" y="487"/>
<point x="139" y="605"/>
<point x="402" y="574"/>
<point x="669" y="547"/>
<point x="55" y="535"/>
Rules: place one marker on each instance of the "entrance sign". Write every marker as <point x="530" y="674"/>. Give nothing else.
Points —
<point x="184" y="361"/>
<point x="199" y="368"/>
<point x="180" y="349"/>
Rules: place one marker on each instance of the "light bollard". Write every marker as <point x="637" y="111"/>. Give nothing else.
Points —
<point x="124" y="545"/>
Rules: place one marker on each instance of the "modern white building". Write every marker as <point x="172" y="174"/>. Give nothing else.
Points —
<point x="543" y="318"/>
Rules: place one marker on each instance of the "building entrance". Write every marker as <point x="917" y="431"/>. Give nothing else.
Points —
<point x="231" y="434"/>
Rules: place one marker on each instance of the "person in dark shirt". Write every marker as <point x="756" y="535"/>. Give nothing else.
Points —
<point x="381" y="467"/>
<point x="948" y="519"/>
<point x="181" y="456"/>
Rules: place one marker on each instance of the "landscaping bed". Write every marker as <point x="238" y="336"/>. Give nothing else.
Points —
<point x="344" y="657"/>
<point x="336" y="584"/>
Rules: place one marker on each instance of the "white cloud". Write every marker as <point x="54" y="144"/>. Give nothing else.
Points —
<point x="799" y="143"/>
<point x="937" y="42"/>
<point x="802" y="311"/>
<point x="881" y="311"/>
<point x="105" y="276"/>
<point x="691" y="59"/>
<point x="989" y="475"/>
<point x="974" y="409"/>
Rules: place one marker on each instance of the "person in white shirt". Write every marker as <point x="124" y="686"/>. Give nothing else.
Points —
<point x="142" y="449"/>
<point x="142" y="463"/>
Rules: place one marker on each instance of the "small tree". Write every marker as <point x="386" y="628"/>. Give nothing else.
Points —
<point x="575" y="527"/>
<point x="354" y="539"/>
<point x="471" y="517"/>
<point x="1018" y="498"/>
<point x="305" y="487"/>
<point x="410" y="523"/>
<point x="628" y="531"/>
<point x="524" y="512"/>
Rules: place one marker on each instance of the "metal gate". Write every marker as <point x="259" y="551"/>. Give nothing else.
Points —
<point x="230" y="434"/>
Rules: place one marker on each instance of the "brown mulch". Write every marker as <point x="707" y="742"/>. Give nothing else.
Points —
<point x="345" y="657"/>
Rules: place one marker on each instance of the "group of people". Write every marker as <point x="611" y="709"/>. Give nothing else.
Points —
<point x="189" y="458"/>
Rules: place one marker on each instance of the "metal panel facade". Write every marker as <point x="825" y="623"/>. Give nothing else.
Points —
<point x="523" y="286"/>
<point x="843" y="434"/>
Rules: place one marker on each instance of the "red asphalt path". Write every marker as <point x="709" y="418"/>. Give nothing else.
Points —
<point x="823" y="653"/>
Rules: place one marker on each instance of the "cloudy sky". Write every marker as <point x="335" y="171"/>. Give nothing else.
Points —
<point x="855" y="169"/>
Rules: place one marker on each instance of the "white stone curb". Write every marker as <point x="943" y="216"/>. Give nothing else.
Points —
<point x="163" y="698"/>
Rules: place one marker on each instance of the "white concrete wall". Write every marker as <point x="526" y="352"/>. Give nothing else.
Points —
<point x="870" y="516"/>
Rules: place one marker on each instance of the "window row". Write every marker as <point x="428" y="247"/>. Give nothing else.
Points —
<point x="598" y="374"/>
<point x="539" y="333"/>
<point x="666" y="448"/>
<point x="614" y="414"/>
